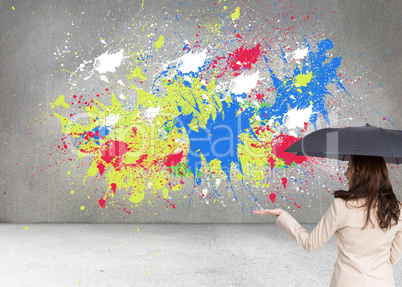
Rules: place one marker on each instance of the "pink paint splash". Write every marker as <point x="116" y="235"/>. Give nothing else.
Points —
<point x="272" y="197"/>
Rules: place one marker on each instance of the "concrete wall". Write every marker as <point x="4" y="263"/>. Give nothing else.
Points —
<point x="259" y="57"/>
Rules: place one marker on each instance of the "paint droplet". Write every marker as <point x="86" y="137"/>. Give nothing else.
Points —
<point x="13" y="7"/>
<point x="26" y="227"/>
<point x="82" y="207"/>
<point x="72" y="192"/>
<point x="68" y="172"/>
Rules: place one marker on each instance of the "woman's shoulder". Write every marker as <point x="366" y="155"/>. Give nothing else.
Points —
<point x="351" y="202"/>
<point x="343" y="205"/>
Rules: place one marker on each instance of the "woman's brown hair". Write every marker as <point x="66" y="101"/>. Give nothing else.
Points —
<point x="370" y="180"/>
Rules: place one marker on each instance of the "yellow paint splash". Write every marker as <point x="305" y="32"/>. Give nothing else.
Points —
<point x="302" y="80"/>
<point x="165" y="192"/>
<point x="160" y="42"/>
<point x="235" y="15"/>
<point x="60" y="102"/>
<point x="137" y="73"/>
<point x="177" y="187"/>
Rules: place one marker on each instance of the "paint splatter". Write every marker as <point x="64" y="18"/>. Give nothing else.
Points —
<point x="217" y="106"/>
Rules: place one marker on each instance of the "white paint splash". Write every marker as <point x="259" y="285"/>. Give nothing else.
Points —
<point x="120" y="82"/>
<point x="104" y="78"/>
<point x="152" y="112"/>
<point x="296" y="118"/>
<point x="112" y="119"/>
<point x="192" y="62"/>
<point x="244" y="83"/>
<point x="300" y="53"/>
<point x="108" y="62"/>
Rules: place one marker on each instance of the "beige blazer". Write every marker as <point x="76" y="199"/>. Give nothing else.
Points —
<point x="365" y="257"/>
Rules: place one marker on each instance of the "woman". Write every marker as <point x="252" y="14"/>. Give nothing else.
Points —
<point x="367" y="223"/>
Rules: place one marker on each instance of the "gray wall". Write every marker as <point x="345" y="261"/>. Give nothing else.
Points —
<point x="42" y="42"/>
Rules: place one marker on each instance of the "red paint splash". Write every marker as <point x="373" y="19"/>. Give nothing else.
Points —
<point x="102" y="203"/>
<point x="259" y="97"/>
<point x="101" y="168"/>
<point x="141" y="159"/>
<point x="284" y="181"/>
<point x="271" y="162"/>
<point x="113" y="151"/>
<point x="88" y="135"/>
<point x="173" y="159"/>
<point x="113" y="186"/>
<point x="305" y="127"/>
<point x="243" y="58"/>
<point x="238" y="36"/>
<point x="280" y="144"/>
<point x="272" y="197"/>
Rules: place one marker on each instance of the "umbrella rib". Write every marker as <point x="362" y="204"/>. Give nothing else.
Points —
<point x="328" y="144"/>
<point x="386" y="142"/>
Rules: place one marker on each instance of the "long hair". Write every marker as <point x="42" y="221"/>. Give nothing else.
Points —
<point x="370" y="180"/>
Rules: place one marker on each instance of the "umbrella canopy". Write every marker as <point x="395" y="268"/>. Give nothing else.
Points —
<point x="340" y="143"/>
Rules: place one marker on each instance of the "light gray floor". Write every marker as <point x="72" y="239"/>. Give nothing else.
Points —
<point x="161" y="255"/>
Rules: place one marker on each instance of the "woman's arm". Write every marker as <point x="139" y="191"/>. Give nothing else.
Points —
<point x="396" y="248"/>
<point x="310" y="242"/>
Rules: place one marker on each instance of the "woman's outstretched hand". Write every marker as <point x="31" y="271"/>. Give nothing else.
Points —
<point x="276" y="212"/>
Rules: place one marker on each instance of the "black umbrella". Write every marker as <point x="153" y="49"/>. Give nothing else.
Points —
<point x="340" y="143"/>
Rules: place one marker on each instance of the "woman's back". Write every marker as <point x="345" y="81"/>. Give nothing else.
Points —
<point x="364" y="255"/>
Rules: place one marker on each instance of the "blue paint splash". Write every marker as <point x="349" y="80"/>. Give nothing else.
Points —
<point x="289" y="96"/>
<point x="220" y="138"/>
